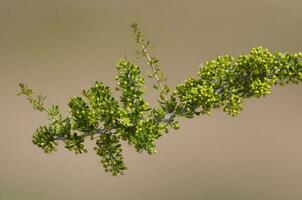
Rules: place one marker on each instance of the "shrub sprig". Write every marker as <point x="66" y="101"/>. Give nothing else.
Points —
<point x="222" y="82"/>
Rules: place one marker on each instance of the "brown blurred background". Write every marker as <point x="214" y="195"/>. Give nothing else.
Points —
<point x="60" y="47"/>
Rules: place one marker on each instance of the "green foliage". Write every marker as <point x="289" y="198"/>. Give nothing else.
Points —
<point x="147" y="131"/>
<point x="83" y="117"/>
<point x="226" y="81"/>
<point x="109" y="148"/>
<point x="44" y="137"/>
<point x="129" y="82"/>
<point x="102" y="106"/>
<point x="36" y="101"/>
<point x="222" y="82"/>
<point x="75" y="143"/>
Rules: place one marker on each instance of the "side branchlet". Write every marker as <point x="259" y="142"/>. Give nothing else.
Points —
<point x="153" y="62"/>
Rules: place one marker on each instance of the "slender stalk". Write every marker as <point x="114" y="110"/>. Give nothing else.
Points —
<point x="144" y="48"/>
<point x="152" y="61"/>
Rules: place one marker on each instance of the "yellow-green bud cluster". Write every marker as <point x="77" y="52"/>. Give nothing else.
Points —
<point x="102" y="106"/>
<point x="147" y="131"/>
<point x="109" y="148"/>
<point x="130" y="82"/>
<point x="83" y="119"/>
<point x="226" y="81"/>
<point x="137" y="129"/>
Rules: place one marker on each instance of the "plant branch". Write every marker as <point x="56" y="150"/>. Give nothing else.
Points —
<point x="152" y="61"/>
<point x="168" y="118"/>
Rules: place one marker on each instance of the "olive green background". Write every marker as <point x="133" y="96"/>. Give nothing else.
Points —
<point x="60" y="47"/>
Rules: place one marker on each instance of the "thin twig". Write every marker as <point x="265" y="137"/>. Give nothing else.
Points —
<point x="168" y="118"/>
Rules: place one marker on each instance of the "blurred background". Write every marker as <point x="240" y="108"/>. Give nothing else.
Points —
<point x="61" y="47"/>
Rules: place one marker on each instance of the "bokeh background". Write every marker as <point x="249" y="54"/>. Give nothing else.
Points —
<point x="60" y="47"/>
